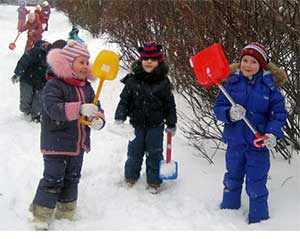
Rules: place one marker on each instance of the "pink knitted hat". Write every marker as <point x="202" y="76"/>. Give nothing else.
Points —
<point x="74" y="49"/>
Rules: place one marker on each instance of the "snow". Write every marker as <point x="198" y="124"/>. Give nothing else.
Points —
<point x="191" y="202"/>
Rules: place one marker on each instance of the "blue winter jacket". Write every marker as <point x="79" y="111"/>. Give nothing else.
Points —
<point x="263" y="102"/>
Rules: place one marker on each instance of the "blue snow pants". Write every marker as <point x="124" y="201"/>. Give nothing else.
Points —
<point x="148" y="141"/>
<point x="60" y="180"/>
<point x="253" y="163"/>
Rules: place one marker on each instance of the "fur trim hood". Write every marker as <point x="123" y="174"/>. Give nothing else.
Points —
<point x="61" y="67"/>
<point x="279" y="74"/>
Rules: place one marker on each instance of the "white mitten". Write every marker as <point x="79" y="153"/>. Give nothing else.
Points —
<point x="98" y="123"/>
<point x="89" y="110"/>
<point x="271" y="141"/>
<point x="237" y="112"/>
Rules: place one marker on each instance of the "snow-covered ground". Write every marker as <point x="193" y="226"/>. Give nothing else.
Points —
<point x="189" y="203"/>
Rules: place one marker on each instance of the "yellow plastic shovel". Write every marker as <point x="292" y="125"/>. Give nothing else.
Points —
<point x="105" y="67"/>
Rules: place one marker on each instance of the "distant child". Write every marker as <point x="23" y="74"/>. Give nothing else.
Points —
<point x="22" y="12"/>
<point x="34" y="30"/>
<point x="31" y="73"/>
<point x="67" y="95"/>
<point x="148" y="101"/>
<point x="258" y="98"/>
<point x="46" y="9"/>
<point x="38" y="12"/>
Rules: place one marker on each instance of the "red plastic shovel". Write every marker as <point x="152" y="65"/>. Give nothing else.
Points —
<point x="168" y="170"/>
<point x="211" y="67"/>
<point x="12" y="45"/>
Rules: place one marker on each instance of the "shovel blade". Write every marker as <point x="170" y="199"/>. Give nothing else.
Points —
<point x="210" y="65"/>
<point x="106" y="65"/>
<point x="12" y="46"/>
<point x="168" y="171"/>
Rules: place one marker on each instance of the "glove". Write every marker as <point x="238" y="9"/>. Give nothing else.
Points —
<point x="171" y="130"/>
<point x="89" y="110"/>
<point x="271" y="141"/>
<point x="119" y="122"/>
<point x="237" y="112"/>
<point x="98" y="123"/>
<point x="15" y="79"/>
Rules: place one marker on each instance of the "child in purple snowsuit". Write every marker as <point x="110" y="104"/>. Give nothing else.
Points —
<point x="258" y="98"/>
<point x="67" y="95"/>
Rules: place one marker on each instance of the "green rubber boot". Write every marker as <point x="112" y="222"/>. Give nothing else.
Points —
<point x="41" y="217"/>
<point x="65" y="210"/>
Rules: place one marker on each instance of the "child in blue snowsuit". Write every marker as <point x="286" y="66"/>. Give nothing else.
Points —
<point x="258" y="98"/>
<point x="148" y="101"/>
<point x="67" y="95"/>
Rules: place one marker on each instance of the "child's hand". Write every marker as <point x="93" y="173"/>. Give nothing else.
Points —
<point x="15" y="79"/>
<point x="271" y="141"/>
<point x="171" y="130"/>
<point x="237" y="112"/>
<point x="89" y="110"/>
<point x="98" y="123"/>
<point x="119" y="122"/>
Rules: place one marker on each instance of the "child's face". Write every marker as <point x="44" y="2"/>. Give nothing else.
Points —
<point x="80" y="66"/>
<point x="249" y="66"/>
<point x="149" y="65"/>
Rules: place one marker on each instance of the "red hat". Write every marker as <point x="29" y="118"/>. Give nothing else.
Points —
<point x="151" y="50"/>
<point x="258" y="51"/>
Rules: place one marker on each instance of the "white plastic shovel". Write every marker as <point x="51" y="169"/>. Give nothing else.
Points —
<point x="168" y="170"/>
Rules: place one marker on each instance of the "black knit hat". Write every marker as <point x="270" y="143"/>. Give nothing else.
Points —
<point x="151" y="50"/>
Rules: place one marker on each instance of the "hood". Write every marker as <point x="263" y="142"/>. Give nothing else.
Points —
<point x="279" y="75"/>
<point x="61" y="67"/>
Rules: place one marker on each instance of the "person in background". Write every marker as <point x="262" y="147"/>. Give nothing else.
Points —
<point x="67" y="96"/>
<point x="258" y="98"/>
<point x="46" y="9"/>
<point x="38" y="11"/>
<point x="34" y="30"/>
<point x="31" y="73"/>
<point x="148" y="101"/>
<point x="22" y="13"/>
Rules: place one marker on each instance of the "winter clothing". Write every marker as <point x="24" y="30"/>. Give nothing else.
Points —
<point x="63" y="138"/>
<point x="42" y="216"/>
<point x="147" y="98"/>
<point x="151" y="50"/>
<point x="31" y="70"/>
<point x="65" y="210"/>
<point x="265" y="109"/>
<point x="22" y="12"/>
<point x="34" y="33"/>
<point x="171" y="130"/>
<point x="75" y="49"/>
<point x="258" y="51"/>
<point x="46" y="9"/>
<point x="148" y="101"/>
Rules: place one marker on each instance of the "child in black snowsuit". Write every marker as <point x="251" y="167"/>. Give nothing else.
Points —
<point x="148" y="101"/>
<point x="31" y="72"/>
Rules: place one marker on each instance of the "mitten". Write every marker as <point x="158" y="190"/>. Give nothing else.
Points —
<point x="271" y="141"/>
<point x="171" y="130"/>
<point x="119" y="122"/>
<point x="237" y="112"/>
<point x="98" y="123"/>
<point x="89" y="110"/>
<point x="15" y="79"/>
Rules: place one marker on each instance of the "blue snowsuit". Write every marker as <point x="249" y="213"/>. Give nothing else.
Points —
<point x="265" y="108"/>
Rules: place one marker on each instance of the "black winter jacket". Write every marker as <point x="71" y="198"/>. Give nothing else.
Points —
<point x="147" y="98"/>
<point x="32" y="66"/>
